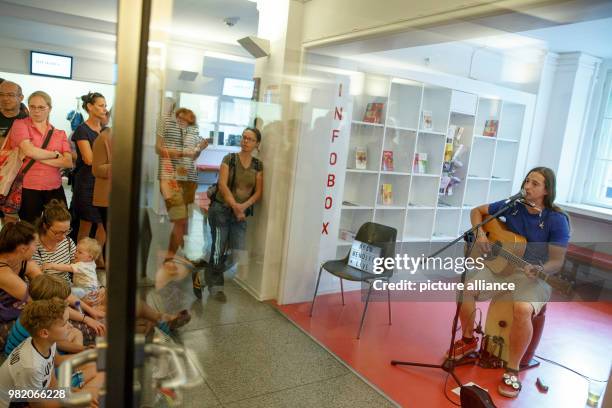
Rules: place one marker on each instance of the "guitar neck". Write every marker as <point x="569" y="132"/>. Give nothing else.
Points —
<point x="504" y="253"/>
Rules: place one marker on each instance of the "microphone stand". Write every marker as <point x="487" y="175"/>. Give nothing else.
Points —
<point x="449" y="363"/>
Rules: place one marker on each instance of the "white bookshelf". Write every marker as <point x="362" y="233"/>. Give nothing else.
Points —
<point x="417" y="210"/>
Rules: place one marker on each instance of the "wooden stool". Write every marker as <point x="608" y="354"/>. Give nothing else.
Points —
<point x="498" y="325"/>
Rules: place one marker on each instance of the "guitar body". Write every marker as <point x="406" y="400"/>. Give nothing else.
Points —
<point x="498" y="233"/>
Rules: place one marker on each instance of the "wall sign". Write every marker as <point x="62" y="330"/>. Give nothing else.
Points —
<point x="52" y="65"/>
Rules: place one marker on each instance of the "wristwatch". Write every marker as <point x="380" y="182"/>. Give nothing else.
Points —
<point x="57" y="155"/>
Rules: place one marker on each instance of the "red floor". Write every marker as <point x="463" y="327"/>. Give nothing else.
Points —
<point x="575" y="334"/>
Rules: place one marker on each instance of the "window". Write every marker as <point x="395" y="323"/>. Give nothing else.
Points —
<point x="599" y="187"/>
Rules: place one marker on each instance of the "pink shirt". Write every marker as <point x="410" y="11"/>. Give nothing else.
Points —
<point x="40" y="176"/>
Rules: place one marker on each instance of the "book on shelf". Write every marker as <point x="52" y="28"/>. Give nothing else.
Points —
<point x="387" y="160"/>
<point x="427" y="120"/>
<point x="373" y="113"/>
<point x="420" y="163"/>
<point x="387" y="193"/>
<point x="490" y="128"/>
<point x="361" y="158"/>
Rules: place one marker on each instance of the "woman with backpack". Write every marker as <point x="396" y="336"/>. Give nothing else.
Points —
<point x="239" y="187"/>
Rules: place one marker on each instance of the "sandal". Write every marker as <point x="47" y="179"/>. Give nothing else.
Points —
<point x="510" y="385"/>
<point x="182" y="318"/>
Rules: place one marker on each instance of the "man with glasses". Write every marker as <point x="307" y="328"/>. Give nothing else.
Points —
<point x="11" y="109"/>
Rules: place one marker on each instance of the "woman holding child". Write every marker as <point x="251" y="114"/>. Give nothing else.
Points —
<point x="55" y="248"/>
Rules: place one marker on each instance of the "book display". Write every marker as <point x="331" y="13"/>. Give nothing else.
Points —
<point x="425" y="155"/>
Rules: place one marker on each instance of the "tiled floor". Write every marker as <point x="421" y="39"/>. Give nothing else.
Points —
<point x="250" y="354"/>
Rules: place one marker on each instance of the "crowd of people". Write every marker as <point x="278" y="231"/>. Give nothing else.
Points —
<point x="51" y="253"/>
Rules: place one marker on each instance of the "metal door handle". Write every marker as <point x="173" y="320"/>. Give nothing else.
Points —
<point x="64" y="378"/>
<point x="180" y="379"/>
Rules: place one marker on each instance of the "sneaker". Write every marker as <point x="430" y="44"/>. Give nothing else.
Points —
<point x="510" y="385"/>
<point x="220" y="297"/>
<point x="461" y="348"/>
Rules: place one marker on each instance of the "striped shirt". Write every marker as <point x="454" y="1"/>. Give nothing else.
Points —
<point x="175" y="138"/>
<point x="63" y="254"/>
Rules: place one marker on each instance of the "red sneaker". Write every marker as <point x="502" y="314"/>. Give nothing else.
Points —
<point x="510" y="385"/>
<point x="462" y="348"/>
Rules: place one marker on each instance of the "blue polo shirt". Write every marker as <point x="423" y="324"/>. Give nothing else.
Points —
<point x="549" y="227"/>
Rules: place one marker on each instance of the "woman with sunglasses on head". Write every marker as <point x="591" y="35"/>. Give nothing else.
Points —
<point x="42" y="182"/>
<point x="239" y="187"/>
<point x="84" y="136"/>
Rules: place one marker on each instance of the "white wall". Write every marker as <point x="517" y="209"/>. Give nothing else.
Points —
<point x="17" y="60"/>
<point x="63" y="94"/>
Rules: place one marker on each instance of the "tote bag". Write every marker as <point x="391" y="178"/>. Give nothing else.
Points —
<point x="10" y="163"/>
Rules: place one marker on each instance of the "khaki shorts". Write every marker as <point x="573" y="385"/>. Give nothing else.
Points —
<point x="533" y="291"/>
<point x="178" y="201"/>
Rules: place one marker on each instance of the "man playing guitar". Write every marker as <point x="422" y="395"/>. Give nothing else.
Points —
<point x="546" y="229"/>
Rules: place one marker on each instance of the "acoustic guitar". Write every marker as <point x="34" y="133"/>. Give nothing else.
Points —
<point x="507" y="250"/>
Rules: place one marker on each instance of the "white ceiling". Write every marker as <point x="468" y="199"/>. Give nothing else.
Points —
<point x="89" y="25"/>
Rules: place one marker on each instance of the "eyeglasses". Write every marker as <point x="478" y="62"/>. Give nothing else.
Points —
<point x="57" y="233"/>
<point x="9" y="95"/>
<point x="37" y="108"/>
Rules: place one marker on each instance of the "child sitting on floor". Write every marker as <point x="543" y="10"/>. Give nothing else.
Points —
<point x="85" y="279"/>
<point x="30" y="365"/>
<point x="45" y="287"/>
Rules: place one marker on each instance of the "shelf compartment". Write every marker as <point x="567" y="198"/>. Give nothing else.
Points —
<point x="437" y="101"/>
<point x="466" y="222"/>
<point x="402" y="143"/>
<point x="488" y="109"/>
<point x="433" y="145"/>
<point x="447" y="223"/>
<point x="476" y="192"/>
<point x="351" y="221"/>
<point x="505" y="160"/>
<point x="360" y="189"/>
<point x="375" y="89"/>
<point x="424" y="191"/>
<point x="369" y="138"/>
<point x="481" y="159"/>
<point x="418" y="225"/>
<point x="399" y="188"/>
<point x="404" y="104"/>
<point x="511" y="124"/>
<point x="391" y="217"/>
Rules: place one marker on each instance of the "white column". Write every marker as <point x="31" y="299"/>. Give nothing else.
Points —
<point x="567" y="116"/>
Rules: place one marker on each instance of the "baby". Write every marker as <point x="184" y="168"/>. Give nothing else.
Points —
<point x="85" y="279"/>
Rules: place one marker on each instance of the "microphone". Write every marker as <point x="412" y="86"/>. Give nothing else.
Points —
<point x="515" y="197"/>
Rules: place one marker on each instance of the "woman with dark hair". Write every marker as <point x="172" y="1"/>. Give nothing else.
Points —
<point x="84" y="137"/>
<point x="547" y="231"/>
<point x="240" y="186"/>
<point x="55" y="246"/>
<point x="17" y="244"/>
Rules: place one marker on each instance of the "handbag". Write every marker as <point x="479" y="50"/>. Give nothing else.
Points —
<point x="10" y="163"/>
<point x="214" y="188"/>
<point x="11" y="202"/>
<point x="472" y="396"/>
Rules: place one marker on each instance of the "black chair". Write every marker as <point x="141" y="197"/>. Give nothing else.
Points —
<point x="376" y="235"/>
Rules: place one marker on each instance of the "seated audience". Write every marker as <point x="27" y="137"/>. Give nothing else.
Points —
<point x="30" y="365"/>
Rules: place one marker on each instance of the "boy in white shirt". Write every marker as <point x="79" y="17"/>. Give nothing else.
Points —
<point x="85" y="278"/>
<point x="30" y="366"/>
